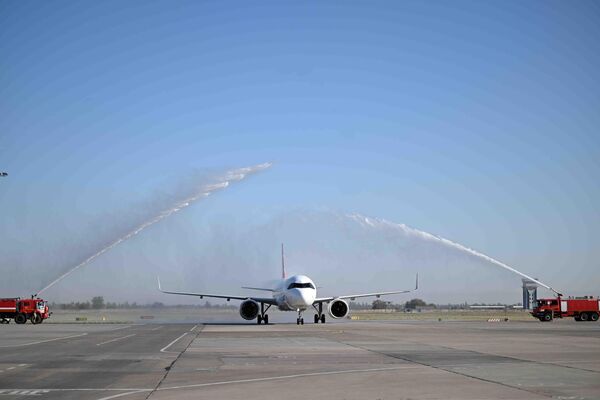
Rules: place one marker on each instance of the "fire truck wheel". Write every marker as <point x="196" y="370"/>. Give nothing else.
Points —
<point x="547" y="317"/>
<point x="594" y="317"/>
<point x="576" y="318"/>
<point x="20" y="318"/>
<point x="36" y="319"/>
<point x="584" y="316"/>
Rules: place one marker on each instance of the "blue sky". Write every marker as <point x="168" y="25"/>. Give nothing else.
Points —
<point x="477" y="121"/>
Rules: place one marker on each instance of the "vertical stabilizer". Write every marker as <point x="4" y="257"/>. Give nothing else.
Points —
<point x="283" y="274"/>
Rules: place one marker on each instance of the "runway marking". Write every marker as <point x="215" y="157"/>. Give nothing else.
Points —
<point x="117" y="329"/>
<point x="37" y="392"/>
<point x="44" y="341"/>
<point x="22" y="392"/>
<point x="192" y="330"/>
<point x="164" y="349"/>
<point x="157" y="328"/>
<point x="116" y="339"/>
<point x="131" y="391"/>
<point x="116" y="396"/>
<point x="282" y="377"/>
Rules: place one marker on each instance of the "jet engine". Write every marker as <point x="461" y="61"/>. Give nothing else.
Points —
<point x="338" y="308"/>
<point x="249" y="309"/>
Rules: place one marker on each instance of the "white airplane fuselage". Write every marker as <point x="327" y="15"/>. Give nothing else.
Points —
<point x="298" y="292"/>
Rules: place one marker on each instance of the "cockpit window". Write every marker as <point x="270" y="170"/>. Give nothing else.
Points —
<point x="301" y="285"/>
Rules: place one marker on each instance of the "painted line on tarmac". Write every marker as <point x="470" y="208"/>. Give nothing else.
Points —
<point x="116" y="339"/>
<point x="116" y="396"/>
<point x="15" y="367"/>
<point x="22" y="392"/>
<point x="132" y="391"/>
<point x="116" y="329"/>
<point x="164" y="349"/>
<point x="192" y="330"/>
<point x="282" y="377"/>
<point x="37" y="392"/>
<point x="44" y="341"/>
<point x="157" y="328"/>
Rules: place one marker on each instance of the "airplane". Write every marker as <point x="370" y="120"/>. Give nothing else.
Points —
<point x="3" y="174"/>
<point x="296" y="293"/>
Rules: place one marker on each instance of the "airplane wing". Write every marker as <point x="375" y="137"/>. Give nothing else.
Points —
<point x="375" y="294"/>
<point x="266" y="300"/>
<point x="258" y="288"/>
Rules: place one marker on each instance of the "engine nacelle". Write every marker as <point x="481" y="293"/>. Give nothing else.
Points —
<point x="249" y="309"/>
<point x="338" y="308"/>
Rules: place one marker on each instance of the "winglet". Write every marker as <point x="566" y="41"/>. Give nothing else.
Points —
<point x="158" y="279"/>
<point x="417" y="282"/>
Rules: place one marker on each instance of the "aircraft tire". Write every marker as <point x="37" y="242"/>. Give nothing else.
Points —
<point x="258" y="319"/>
<point x="301" y="321"/>
<point x="266" y="319"/>
<point x="322" y="318"/>
<point x="297" y="321"/>
<point x="316" y="318"/>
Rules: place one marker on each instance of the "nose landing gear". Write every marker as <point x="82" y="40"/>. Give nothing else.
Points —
<point x="300" y="320"/>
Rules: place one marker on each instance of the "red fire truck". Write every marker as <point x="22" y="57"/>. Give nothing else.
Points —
<point x="21" y="310"/>
<point x="585" y="308"/>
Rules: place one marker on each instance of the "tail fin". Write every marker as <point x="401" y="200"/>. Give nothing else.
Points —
<point x="283" y="274"/>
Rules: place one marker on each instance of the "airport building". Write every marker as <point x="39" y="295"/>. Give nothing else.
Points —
<point x="529" y="294"/>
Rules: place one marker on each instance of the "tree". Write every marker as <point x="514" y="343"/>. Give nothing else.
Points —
<point x="414" y="303"/>
<point x="97" y="302"/>
<point x="380" y="305"/>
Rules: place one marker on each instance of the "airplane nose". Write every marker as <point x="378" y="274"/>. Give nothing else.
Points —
<point x="308" y="296"/>
<point x="303" y="297"/>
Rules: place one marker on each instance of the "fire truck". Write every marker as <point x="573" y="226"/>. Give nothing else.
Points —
<point x="585" y="308"/>
<point x="21" y="310"/>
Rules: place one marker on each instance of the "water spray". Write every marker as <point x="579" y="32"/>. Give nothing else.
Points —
<point x="221" y="183"/>
<point x="373" y="222"/>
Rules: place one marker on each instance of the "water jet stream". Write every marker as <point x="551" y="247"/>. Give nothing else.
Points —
<point x="377" y="222"/>
<point x="221" y="183"/>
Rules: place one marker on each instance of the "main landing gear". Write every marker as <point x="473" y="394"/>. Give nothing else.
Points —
<point x="263" y="317"/>
<point x="320" y="316"/>
<point x="300" y="320"/>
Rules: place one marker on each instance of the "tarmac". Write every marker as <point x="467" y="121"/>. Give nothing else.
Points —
<point x="341" y="360"/>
